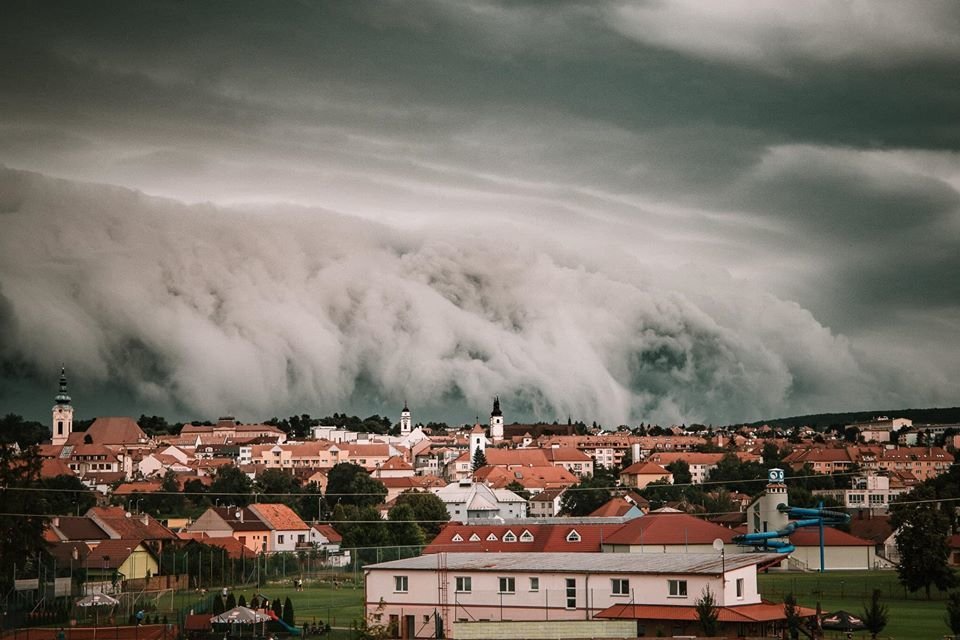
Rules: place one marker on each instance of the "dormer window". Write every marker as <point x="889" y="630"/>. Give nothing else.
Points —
<point x="509" y="536"/>
<point x="526" y="536"/>
<point x="492" y="537"/>
<point x="457" y="538"/>
<point x="474" y="538"/>
<point x="573" y="536"/>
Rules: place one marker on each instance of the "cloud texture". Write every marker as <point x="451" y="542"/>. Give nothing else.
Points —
<point x="621" y="211"/>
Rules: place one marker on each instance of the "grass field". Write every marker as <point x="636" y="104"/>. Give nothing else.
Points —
<point x="912" y="616"/>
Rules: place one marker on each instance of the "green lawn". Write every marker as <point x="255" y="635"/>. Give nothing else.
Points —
<point x="912" y="616"/>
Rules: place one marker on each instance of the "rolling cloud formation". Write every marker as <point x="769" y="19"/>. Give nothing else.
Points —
<point x="204" y="309"/>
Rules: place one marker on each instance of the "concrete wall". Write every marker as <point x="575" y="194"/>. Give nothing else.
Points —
<point x="540" y="631"/>
<point x="836" y="558"/>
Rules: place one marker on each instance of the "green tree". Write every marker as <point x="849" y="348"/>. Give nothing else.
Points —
<point x="26" y="433"/>
<point x="429" y="510"/>
<point x="707" y="612"/>
<point x="681" y="472"/>
<point x="280" y="486"/>
<point x="479" y="459"/>
<point x="874" y="614"/>
<point x="586" y="497"/>
<point x="66" y="495"/>
<point x="288" y="616"/>
<point x="518" y="489"/>
<point x="791" y="614"/>
<point x="218" y="606"/>
<point x="953" y="613"/>
<point x="350" y="484"/>
<point x="231" y="601"/>
<point x="22" y="536"/>
<point x="404" y="531"/>
<point x="232" y="484"/>
<point x="242" y="601"/>
<point x="277" y="607"/>
<point x="922" y="530"/>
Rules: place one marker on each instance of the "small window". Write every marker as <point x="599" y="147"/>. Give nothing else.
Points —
<point x="534" y="584"/>
<point x="571" y="584"/>
<point x="509" y="536"/>
<point x="279" y="539"/>
<point x="526" y="536"/>
<point x="457" y="538"/>
<point x="400" y="584"/>
<point x="492" y="537"/>
<point x="573" y="536"/>
<point x="464" y="584"/>
<point x="508" y="585"/>
<point x="474" y="538"/>
<point x="677" y="588"/>
<point x="620" y="587"/>
<point x="740" y="588"/>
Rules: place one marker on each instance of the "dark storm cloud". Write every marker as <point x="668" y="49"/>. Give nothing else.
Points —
<point x="803" y="151"/>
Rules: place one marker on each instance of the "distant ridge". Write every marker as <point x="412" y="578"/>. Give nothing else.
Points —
<point x="945" y="415"/>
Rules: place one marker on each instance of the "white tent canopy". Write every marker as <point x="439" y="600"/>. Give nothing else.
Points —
<point x="239" y="615"/>
<point x="97" y="600"/>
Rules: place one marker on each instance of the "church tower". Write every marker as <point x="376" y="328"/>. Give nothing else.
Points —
<point x="62" y="413"/>
<point x="496" y="421"/>
<point x="405" y="421"/>
<point x="478" y="441"/>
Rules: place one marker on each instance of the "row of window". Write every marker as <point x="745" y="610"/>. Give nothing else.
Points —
<point x="508" y="584"/>
<point x="510" y="536"/>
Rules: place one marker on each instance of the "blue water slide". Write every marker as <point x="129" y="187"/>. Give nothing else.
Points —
<point x="768" y="540"/>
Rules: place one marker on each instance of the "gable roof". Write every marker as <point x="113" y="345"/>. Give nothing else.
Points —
<point x="279" y="517"/>
<point x="116" y="430"/>
<point x="77" y="528"/>
<point x="645" y="469"/>
<point x="547" y="537"/>
<point x="141" y="526"/>
<point x="666" y="528"/>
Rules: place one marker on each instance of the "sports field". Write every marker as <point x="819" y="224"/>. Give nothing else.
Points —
<point x="912" y="616"/>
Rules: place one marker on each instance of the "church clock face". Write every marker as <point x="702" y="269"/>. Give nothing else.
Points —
<point x="775" y="475"/>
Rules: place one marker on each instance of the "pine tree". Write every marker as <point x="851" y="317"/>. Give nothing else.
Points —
<point x="231" y="601"/>
<point x="288" y="616"/>
<point x="479" y="459"/>
<point x="277" y="607"/>
<point x="242" y="601"/>
<point x="953" y="613"/>
<point x="707" y="612"/>
<point x="874" y="614"/>
<point x="218" y="606"/>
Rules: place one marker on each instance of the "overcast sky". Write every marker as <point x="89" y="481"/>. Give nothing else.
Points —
<point x="616" y="211"/>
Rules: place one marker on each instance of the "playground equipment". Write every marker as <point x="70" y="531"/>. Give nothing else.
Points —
<point x="768" y="520"/>
<point x="294" y="631"/>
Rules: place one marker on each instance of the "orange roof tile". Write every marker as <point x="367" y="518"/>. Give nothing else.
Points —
<point x="279" y="517"/>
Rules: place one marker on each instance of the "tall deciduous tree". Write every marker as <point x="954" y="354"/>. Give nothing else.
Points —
<point x="953" y="613"/>
<point x="350" y="484"/>
<point x="233" y="485"/>
<point x="430" y="512"/>
<point x="585" y="497"/>
<point x="21" y="536"/>
<point x="875" y="614"/>
<point x="404" y="531"/>
<point x="922" y="530"/>
<point x="708" y="615"/>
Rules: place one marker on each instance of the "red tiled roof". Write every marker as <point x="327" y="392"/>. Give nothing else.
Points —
<point x="810" y="537"/>
<point x="53" y="467"/>
<point x="669" y="529"/>
<point x="78" y="528"/>
<point x="645" y="469"/>
<point x="137" y="487"/>
<point x="614" y="507"/>
<point x="328" y="532"/>
<point x="134" y="527"/>
<point x="116" y="431"/>
<point x="530" y="477"/>
<point x="546" y="537"/>
<point x="690" y="457"/>
<point x="762" y="612"/>
<point x="279" y="517"/>
<point x="566" y="454"/>
<point x="234" y="548"/>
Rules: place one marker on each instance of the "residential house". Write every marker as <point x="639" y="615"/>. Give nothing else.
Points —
<point x="287" y="531"/>
<point x="640" y="474"/>
<point x="415" y="596"/>
<point x="466" y="500"/>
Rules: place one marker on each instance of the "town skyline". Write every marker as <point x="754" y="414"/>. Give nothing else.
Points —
<point x="632" y="212"/>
